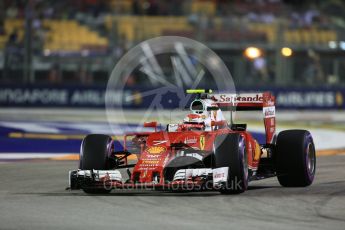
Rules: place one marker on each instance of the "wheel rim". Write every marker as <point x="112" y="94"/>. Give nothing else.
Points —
<point x="310" y="159"/>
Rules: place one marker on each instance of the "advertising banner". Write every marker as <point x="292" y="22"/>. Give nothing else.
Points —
<point x="60" y="96"/>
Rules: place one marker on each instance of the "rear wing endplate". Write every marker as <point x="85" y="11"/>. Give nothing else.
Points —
<point x="250" y="102"/>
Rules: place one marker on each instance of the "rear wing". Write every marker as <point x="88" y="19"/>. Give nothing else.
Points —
<point x="246" y="101"/>
<point x="249" y="102"/>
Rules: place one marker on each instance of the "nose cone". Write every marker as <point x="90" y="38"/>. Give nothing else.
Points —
<point x="150" y="165"/>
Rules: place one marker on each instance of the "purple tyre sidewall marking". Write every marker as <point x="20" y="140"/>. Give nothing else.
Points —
<point x="244" y="162"/>
<point x="309" y="143"/>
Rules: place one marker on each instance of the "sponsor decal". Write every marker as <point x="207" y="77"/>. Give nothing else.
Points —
<point x="220" y="175"/>
<point x="156" y="150"/>
<point x="159" y="142"/>
<point x="150" y="162"/>
<point x="230" y="98"/>
<point x="62" y="96"/>
<point x="186" y="174"/>
<point x="269" y="111"/>
<point x="149" y="156"/>
<point x="102" y="175"/>
<point x="192" y="140"/>
<point x="289" y="98"/>
<point x="202" y="142"/>
<point x="32" y="96"/>
<point x="306" y="99"/>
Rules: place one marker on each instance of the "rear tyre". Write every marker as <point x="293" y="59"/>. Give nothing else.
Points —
<point x="230" y="151"/>
<point x="94" y="153"/>
<point x="296" y="160"/>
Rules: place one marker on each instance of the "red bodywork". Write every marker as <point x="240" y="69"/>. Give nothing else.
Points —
<point x="156" y="155"/>
<point x="156" y="149"/>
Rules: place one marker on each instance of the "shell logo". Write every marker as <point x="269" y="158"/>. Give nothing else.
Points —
<point x="156" y="149"/>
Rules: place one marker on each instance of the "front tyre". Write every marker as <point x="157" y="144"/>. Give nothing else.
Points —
<point x="94" y="154"/>
<point x="230" y="151"/>
<point x="296" y="159"/>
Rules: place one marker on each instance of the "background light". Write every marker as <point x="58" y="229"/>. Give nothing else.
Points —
<point x="332" y="44"/>
<point x="252" y="52"/>
<point x="342" y="45"/>
<point x="286" y="51"/>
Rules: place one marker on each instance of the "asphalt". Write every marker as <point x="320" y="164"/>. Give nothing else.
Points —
<point x="33" y="196"/>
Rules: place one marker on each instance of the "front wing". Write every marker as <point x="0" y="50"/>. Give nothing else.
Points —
<point x="190" y="179"/>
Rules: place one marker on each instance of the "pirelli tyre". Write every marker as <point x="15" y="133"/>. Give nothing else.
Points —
<point x="94" y="153"/>
<point x="295" y="158"/>
<point x="230" y="151"/>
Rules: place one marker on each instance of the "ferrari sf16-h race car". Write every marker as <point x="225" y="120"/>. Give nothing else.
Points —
<point x="204" y="152"/>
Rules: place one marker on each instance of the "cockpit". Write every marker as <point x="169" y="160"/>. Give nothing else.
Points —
<point x="204" y="116"/>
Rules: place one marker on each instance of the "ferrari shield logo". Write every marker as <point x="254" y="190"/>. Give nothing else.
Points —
<point x="202" y="142"/>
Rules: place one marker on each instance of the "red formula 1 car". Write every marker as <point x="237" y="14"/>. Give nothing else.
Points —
<point x="204" y="152"/>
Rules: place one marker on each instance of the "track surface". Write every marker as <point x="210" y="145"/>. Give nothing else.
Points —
<point x="32" y="196"/>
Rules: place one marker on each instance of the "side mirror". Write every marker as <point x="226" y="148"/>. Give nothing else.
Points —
<point x="152" y="124"/>
<point x="172" y="127"/>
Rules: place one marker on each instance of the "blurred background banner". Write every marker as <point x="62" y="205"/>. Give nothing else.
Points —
<point x="294" y="48"/>
<point x="320" y="98"/>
